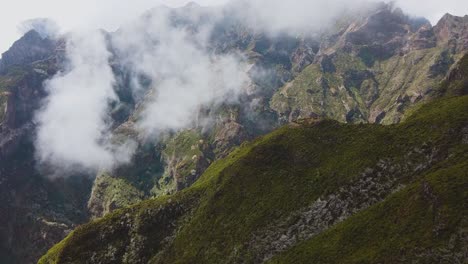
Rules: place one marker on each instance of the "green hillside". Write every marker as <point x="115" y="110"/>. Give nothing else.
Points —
<point x="291" y="194"/>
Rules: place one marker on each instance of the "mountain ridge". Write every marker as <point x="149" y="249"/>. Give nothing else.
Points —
<point x="254" y="193"/>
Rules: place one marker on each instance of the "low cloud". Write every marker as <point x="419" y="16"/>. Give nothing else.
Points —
<point x="73" y="125"/>
<point x="47" y="28"/>
<point x="181" y="71"/>
<point x="294" y="16"/>
<point x="185" y="75"/>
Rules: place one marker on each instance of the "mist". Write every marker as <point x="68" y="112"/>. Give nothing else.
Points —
<point x="46" y="28"/>
<point x="73" y="125"/>
<point x="294" y="16"/>
<point x="72" y="15"/>
<point x="184" y="73"/>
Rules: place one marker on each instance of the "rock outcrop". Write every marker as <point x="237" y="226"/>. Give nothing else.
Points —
<point x="453" y="31"/>
<point x="30" y="48"/>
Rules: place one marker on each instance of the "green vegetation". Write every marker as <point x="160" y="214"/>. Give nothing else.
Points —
<point x="110" y="193"/>
<point x="457" y="82"/>
<point x="7" y="82"/>
<point x="182" y="153"/>
<point x="424" y="220"/>
<point x="119" y="229"/>
<point x="281" y="173"/>
<point x="361" y="85"/>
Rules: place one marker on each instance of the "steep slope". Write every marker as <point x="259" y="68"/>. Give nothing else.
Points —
<point x="424" y="223"/>
<point x="36" y="212"/>
<point x="456" y="82"/>
<point x="297" y="184"/>
<point x="372" y="67"/>
<point x="375" y="70"/>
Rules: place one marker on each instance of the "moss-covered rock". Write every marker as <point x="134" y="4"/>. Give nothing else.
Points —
<point x="110" y="193"/>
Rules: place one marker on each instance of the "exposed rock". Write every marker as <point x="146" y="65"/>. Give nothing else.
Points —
<point x="453" y="31"/>
<point x="229" y="135"/>
<point x="109" y="194"/>
<point x="371" y="187"/>
<point x="304" y="55"/>
<point x="30" y="48"/>
<point x="424" y="38"/>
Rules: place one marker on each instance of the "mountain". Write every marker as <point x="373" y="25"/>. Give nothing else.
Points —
<point x="370" y="68"/>
<point x="317" y="191"/>
<point x="36" y="212"/>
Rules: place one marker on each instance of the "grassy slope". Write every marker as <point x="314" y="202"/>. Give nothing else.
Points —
<point x="267" y="179"/>
<point x="426" y="217"/>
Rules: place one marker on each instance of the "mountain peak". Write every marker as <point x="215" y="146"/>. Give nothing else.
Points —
<point x="29" y="48"/>
<point x="453" y="30"/>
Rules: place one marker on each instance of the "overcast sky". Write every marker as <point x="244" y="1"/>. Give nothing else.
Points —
<point x="109" y="14"/>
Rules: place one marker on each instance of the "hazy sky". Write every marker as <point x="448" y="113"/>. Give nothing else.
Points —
<point x="72" y="14"/>
<point x="109" y="14"/>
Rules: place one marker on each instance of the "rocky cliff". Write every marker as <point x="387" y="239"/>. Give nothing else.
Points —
<point x="36" y="212"/>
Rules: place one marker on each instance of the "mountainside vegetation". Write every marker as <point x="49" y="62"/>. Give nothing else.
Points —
<point x="314" y="190"/>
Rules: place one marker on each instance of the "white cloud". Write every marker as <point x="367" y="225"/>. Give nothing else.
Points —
<point x="109" y="14"/>
<point x="76" y="14"/>
<point x="44" y="26"/>
<point x="184" y="74"/>
<point x="73" y="124"/>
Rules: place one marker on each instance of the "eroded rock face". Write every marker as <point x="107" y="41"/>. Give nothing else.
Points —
<point x="374" y="68"/>
<point x="30" y="48"/>
<point x="231" y="134"/>
<point x="24" y="98"/>
<point x="453" y="31"/>
<point x="384" y="33"/>
<point x="36" y="212"/>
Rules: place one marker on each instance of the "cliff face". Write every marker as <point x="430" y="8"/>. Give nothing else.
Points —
<point x="452" y="31"/>
<point x="30" y="48"/>
<point x="378" y="68"/>
<point x="371" y="68"/>
<point x="36" y="212"/>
